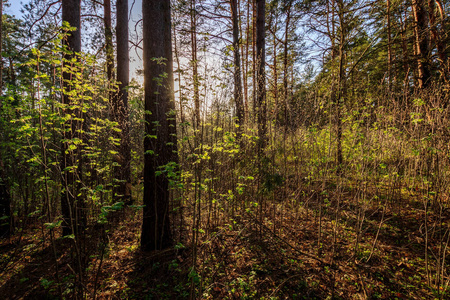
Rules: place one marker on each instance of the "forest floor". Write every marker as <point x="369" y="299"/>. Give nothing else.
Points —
<point x="309" y="247"/>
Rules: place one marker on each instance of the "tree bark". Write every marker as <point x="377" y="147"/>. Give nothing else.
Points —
<point x="123" y="79"/>
<point x="71" y="204"/>
<point x="1" y="49"/>
<point x="108" y="43"/>
<point x="5" y="204"/>
<point x="261" y="74"/>
<point x="342" y="77"/>
<point x="388" y="6"/>
<point x="5" y="200"/>
<point x="436" y="35"/>
<point x="237" y="66"/>
<point x="160" y="139"/>
<point x="194" y="61"/>
<point x="285" y="64"/>
<point x="422" y="43"/>
<point x="254" y="72"/>
<point x="245" y="69"/>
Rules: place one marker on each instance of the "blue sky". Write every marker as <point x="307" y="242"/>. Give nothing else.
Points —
<point x="14" y="9"/>
<point x="16" y="5"/>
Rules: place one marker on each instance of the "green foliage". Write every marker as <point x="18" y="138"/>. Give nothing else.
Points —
<point x="35" y="123"/>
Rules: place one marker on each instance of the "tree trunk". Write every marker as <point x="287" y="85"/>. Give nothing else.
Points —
<point x="245" y="69"/>
<point x="237" y="66"/>
<point x="261" y="74"/>
<point x="1" y="49"/>
<point x="388" y="4"/>
<point x="436" y="35"/>
<point x="405" y="52"/>
<point x="5" y="204"/>
<point x="5" y="200"/>
<point x="254" y="72"/>
<point x="160" y="127"/>
<point x="123" y="78"/>
<point x="71" y="204"/>
<point x="194" y="61"/>
<point x="275" y="76"/>
<point x="108" y="43"/>
<point x="422" y="41"/>
<point x="285" y="66"/>
<point x="341" y="81"/>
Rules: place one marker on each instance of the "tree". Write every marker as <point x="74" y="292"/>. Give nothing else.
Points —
<point x="123" y="78"/>
<point x="5" y="200"/>
<point x="5" y="203"/>
<point x="422" y="49"/>
<point x="260" y="70"/>
<point x="108" y="42"/>
<point x="1" y="56"/>
<point x="160" y="128"/>
<point x="237" y="65"/>
<point x="194" y="61"/>
<point x="71" y="208"/>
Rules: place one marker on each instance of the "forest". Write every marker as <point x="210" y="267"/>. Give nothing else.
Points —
<point x="235" y="149"/>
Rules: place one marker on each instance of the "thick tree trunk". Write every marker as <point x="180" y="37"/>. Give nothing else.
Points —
<point x="123" y="78"/>
<point x="237" y="66"/>
<point x="160" y="127"/>
<point x="261" y="74"/>
<point x="71" y="203"/>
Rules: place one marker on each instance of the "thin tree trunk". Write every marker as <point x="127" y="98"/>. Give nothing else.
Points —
<point x="180" y="94"/>
<point x="261" y="74"/>
<point x="341" y="82"/>
<point x="285" y="65"/>
<point x="388" y="4"/>
<point x="405" y="51"/>
<point x="254" y="72"/>
<point x="5" y="200"/>
<point x="436" y="33"/>
<point x="275" y="76"/>
<point x="108" y="43"/>
<point x="237" y="67"/>
<point x="5" y="203"/>
<point x="194" y="61"/>
<point x="245" y="69"/>
<point x="1" y="48"/>
<point x="422" y="41"/>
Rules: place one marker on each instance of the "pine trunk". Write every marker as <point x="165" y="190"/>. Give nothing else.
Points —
<point x="160" y="127"/>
